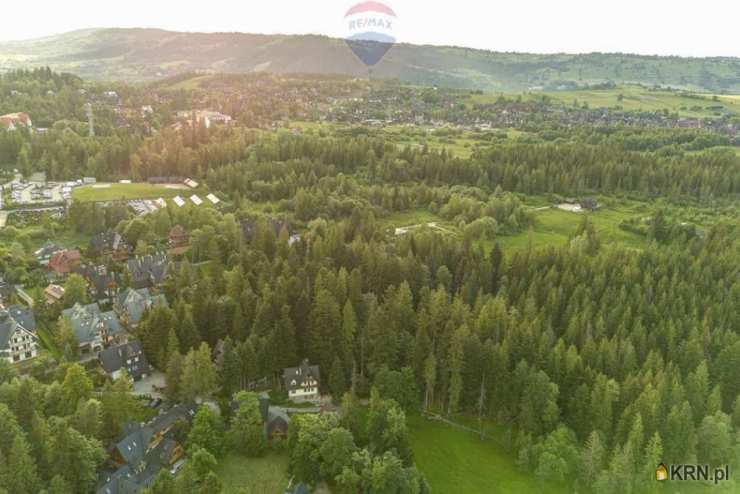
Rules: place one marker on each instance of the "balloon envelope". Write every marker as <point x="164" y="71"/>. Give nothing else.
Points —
<point x="370" y="31"/>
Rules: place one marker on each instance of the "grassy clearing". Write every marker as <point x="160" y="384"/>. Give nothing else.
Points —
<point x="460" y="144"/>
<point x="635" y="98"/>
<point x="457" y="461"/>
<point x="266" y="474"/>
<point x="554" y="227"/>
<point x="411" y="217"/>
<point x="115" y="192"/>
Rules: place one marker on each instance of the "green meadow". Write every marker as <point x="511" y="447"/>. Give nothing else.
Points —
<point x="268" y="474"/>
<point x="634" y="98"/>
<point x="457" y="461"/>
<point x="118" y="191"/>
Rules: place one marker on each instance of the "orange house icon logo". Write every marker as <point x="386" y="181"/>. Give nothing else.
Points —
<point x="661" y="473"/>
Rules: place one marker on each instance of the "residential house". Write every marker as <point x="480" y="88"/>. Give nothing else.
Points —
<point x="131" y="304"/>
<point x="302" y="382"/>
<point x="110" y="243"/>
<point x="178" y="241"/>
<point x="93" y="328"/>
<point x="44" y="254"/>
<point x="63" y="262"/>
<point x="178" y="236"/>
<point x="103" y="284"/>
<point x="276" y="419"/>
<point x="18" y="340"/>
<point x="144" y="451"/>
<point x="53" y="293"/>
<point x="148" y="271"/>
<point x="129" y="357"/>
<point x="14" y="121"/>
<point x="203" y="117"/>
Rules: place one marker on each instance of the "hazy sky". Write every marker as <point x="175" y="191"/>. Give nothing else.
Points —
<point x="677" y="27"/>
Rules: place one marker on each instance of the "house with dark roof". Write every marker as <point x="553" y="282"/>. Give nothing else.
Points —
<point x="178" y="240"/>
<point x="102" y="283"/>
<point x="110" y="243"/>
<point x="93" y="328"/>
<point x="18" y="340"/>
<point x="148" y="271"/>
<point x="131" y="304"/>
<point x="276" y="419"/>
<point x="144" y="450"/>
<point x="129" y="357"/>
<point x="63" y="262"/>
<point x="302" y="382"/>
<point x="23" y="315"/>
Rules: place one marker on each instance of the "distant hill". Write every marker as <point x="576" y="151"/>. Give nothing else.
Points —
<point x="147" y="54"/>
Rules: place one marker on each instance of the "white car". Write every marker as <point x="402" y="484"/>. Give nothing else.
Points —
<point x="177" y="466"/>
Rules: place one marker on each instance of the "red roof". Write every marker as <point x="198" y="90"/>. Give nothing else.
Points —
<point x="15" y="118"/>
<point x="63" y="261"/>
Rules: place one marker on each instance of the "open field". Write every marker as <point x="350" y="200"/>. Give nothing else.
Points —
<point x="115" y="192"/>
<point x="635" y="98"/>
<point x="457" y="461"/>
<point x="268" y="474"/>
<point x="459" y="143"/>
<point x="554" y="227"/>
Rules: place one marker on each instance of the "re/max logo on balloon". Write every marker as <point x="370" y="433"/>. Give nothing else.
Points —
<point x="370" y="31"/>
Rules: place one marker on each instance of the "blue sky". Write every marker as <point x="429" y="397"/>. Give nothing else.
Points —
<point x="678" y="27"/>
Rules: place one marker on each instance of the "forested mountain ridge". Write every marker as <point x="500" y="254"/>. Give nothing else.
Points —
<point x="146" y="54"/>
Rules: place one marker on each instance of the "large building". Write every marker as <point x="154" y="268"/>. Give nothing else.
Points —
<point x="145" y="450"/>
<point x="18" y="340"/>
<point x="93" y="328"/>
<point x="131" y="304"/>
<point x="129" y="357"/>
<point x="302" y="382"/>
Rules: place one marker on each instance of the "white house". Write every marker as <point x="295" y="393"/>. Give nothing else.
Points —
<point x="302" y="382"/>
<point x="17" y="343"/>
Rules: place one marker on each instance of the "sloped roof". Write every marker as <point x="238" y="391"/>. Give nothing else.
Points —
<point x="8" y="326"/>
<point x="299" y="377"/>
<point x="23" y="316"/>
<point x="87" y="320"/>
<point x="135" y="302"/>
<point x="114" y="358"/>
<point x="149" y="270"/>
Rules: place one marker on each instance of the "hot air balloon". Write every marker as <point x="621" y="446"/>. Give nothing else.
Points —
<point x="370" y="31"/>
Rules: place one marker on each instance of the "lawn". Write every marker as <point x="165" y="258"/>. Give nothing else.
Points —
<point x="115" y="192"/>
<point x="410" y="217"/>
<point x="554" y="227"/>
<point x="268" y="474"/>
<point x="457" y="461"/>
<point x="634" y="98"/>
